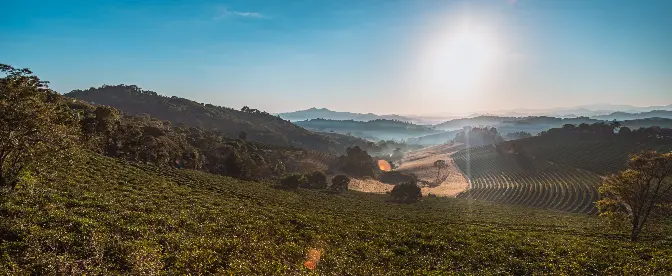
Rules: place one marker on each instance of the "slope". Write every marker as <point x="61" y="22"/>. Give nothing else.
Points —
<point x="505" y="177"/>
<point x="259" y="126"/>
<point x="99" y="215"/>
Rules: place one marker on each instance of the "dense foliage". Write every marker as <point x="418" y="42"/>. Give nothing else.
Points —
<point x="258" y="125"/>
<point x="640" y="194"/>
<point x="474" y="137"/>
<point x="406" y="192"/>
<point x="35" y="127"/>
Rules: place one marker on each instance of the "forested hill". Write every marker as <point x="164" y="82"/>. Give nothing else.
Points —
<point x="380" y="129"/>
<point x="258" y="126"/>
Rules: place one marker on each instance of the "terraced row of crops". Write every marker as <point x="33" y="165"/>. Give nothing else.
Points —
<point x="523" y="180"/>
<point x="602" y="156"/>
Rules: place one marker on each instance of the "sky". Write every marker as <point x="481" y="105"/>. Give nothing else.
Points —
<point x="421" y="57"/>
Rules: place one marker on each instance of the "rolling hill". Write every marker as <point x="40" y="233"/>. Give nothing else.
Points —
<point x="116" y="217"/>
<point x="323" y="113"/>
<point x="259" y="126"/>
<point x="559" y="169"/>
<point x="504" y="177"/>
<point x="380" y="129"/>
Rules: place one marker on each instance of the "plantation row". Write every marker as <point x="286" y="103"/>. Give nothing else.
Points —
<point x="602" y="156"/>
<point x="519" y="179"/>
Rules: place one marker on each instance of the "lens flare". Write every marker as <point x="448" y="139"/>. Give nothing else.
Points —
<point x="384" y="165"/>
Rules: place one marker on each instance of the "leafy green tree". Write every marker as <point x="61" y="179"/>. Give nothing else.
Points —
<point x="358" y="162"/>
<point x="639" y="194"/>
<point x="35" y="126"/>
<point x="340" y="183"/>
<point x="293" y="181"/>
<point x="316" y="180"/>
<point x="406" y="192"/>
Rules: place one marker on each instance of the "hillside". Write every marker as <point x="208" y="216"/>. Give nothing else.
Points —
<point x="259" y="126"/>
<point x="373" y="130"/>
<point x="559" y="169"/>
<point x="599" y="154"/>
<point x="504" y="177"/>
<point x="114" y="217"/>
<point x="323" y="113"/>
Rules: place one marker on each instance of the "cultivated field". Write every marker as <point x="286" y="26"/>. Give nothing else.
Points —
<point x="519" y="179"/>
<point x="109" y="217"/>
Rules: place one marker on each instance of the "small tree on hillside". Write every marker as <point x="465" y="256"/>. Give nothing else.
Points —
<point x="34" y="125"/>
<point x="439" y="165"/>
<point x="639" y="194"/>
<point x="340" y="183"/>
<point x="316" y="180"/>
<point x="293" y="181"/>
<point x="406" y="192"/>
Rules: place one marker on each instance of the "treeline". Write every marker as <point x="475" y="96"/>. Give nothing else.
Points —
<point x="611" y="129"/>
<point x="37" y="120"/>
<point x="478" y="136"/>
<point x="259" y="125"/>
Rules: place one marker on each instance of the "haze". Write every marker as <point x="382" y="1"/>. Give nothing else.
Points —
<point x="404" y="57"/>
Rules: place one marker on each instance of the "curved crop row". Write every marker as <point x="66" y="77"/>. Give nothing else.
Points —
<point x="519" y="179"/>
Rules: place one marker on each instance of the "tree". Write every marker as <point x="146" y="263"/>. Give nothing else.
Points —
<point x="624" y="131"/>
<point x="293" y="181"/>
<point x="439" y="164"/>
<point x="35" y="125"/>
<point x="406" y="192"/>
<point x="242" y="135"/>
<point x="340" y="183"/>
<point x="316" y="180"/>
<point x="639" y="194"/>
<point x="358" y="162"/>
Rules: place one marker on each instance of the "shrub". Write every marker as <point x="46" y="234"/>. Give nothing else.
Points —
<point x="406" y="192"/>
<point x="340" y="183"/>
<point x="293" y="181"/>
<point x="315" y="180"/>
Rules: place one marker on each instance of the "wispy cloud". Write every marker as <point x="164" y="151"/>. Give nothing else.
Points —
<point x="224" y="12"/>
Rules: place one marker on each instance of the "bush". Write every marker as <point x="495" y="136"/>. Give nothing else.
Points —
<point x="340" y="183"/>
<point x="315" y="180"/>
<point x="293" y="181"/>
<point x="406" y="192"/>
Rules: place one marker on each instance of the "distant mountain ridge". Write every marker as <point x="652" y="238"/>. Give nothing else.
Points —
<point x="323" y="113"/>
<point x="620" y="116"/>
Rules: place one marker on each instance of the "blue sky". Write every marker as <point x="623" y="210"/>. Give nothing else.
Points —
<point x="391" y="56"/>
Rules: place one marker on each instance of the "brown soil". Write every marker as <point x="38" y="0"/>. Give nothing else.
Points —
<point x="421" y="163"/>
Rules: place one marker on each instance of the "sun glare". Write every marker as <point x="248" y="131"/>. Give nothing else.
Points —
<point x="457" y="60"/>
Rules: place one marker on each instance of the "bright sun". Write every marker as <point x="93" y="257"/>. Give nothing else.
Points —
<point x="456" y="62"/>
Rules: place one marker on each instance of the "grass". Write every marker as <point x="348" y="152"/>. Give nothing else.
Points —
<point x="106" y="216"/>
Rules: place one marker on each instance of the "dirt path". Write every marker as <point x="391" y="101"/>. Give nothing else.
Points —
<point x="421" y="163"/>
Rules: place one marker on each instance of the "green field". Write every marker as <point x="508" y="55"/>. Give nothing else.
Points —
<point x="107" y="216"/>
<point x="519" y="179"/>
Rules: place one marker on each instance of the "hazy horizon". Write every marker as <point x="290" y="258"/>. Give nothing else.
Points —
<point x="384" y="57"/>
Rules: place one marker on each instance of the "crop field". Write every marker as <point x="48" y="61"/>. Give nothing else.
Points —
<point x="106" y="216"/>
<point x="519" y="179"/>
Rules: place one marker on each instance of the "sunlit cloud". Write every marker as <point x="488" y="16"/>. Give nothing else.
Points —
<point x="226" y="13"/>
